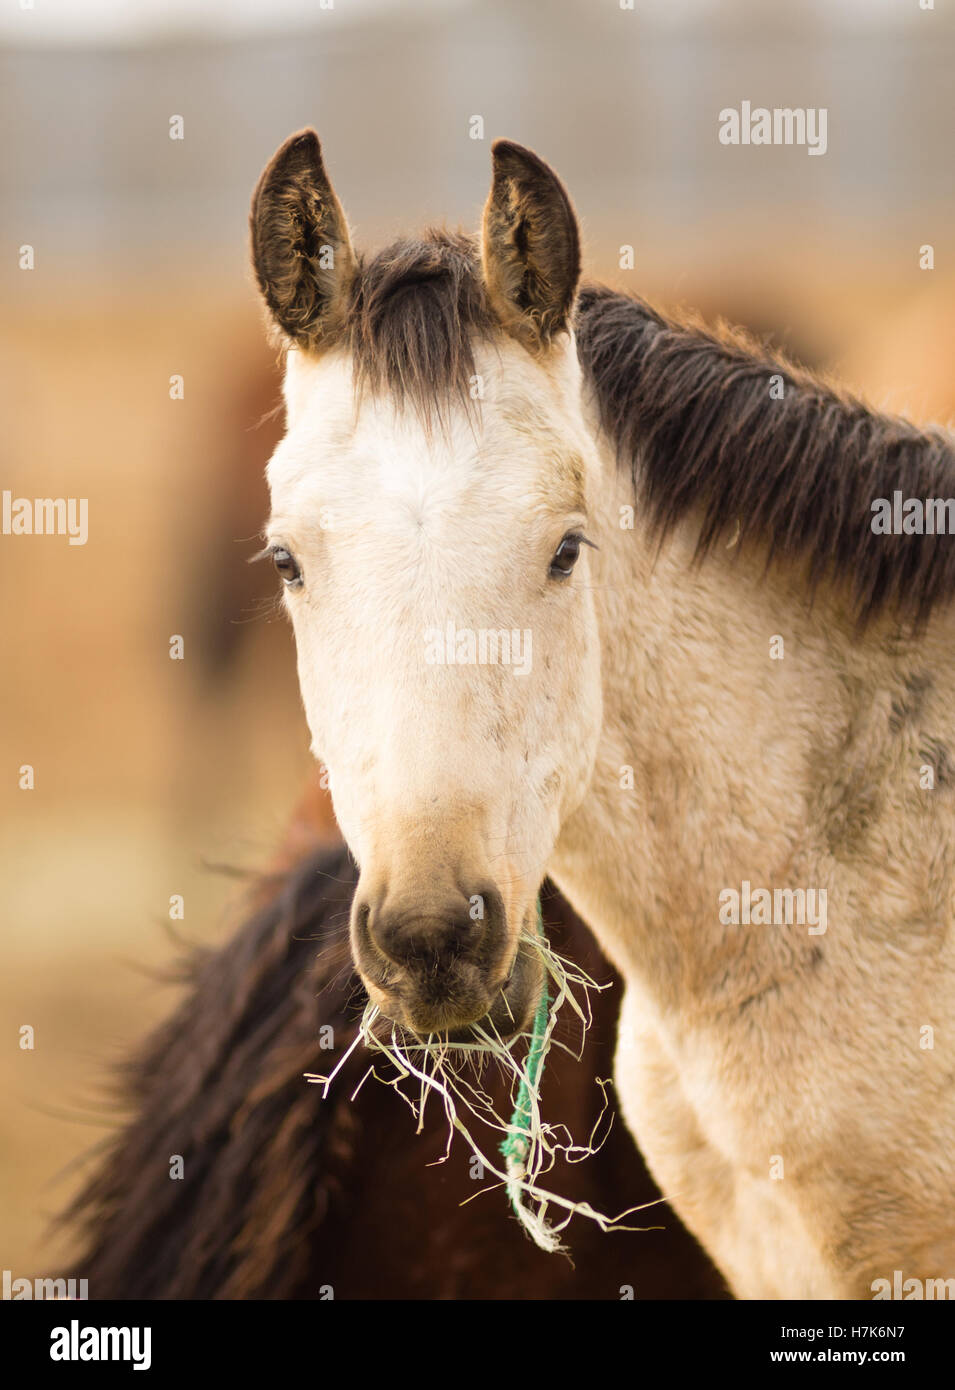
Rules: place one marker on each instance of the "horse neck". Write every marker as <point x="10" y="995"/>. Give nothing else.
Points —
<point x="717" y="735"/>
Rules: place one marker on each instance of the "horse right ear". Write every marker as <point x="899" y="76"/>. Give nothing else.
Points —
<point x="530" y="247"/>
<point x="301" y="250"/>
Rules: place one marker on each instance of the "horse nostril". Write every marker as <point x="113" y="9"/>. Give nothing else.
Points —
<point x="362" y="925"/>
<point x="428" y="937"/>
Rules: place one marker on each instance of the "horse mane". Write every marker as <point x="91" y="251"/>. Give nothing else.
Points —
<point x="689" y="413"/>
<point x="220" y="1084"/>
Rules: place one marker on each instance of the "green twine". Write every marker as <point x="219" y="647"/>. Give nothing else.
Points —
<point x="515" y="1147"/>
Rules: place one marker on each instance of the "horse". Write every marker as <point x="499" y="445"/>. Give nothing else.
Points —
<point x="284" y="1194"/>
<point x="585" y="591"/>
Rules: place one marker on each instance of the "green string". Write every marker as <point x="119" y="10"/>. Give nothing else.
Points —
<point x="515" y="1146"/>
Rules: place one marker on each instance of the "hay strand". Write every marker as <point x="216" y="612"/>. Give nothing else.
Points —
<point x="528" y="1144"/>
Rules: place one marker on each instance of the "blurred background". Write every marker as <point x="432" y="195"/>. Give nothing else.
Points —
<point x="151" y="773"/>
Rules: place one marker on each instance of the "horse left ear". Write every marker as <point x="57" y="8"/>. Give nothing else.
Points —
<point x="301" y="249"/>
<point x="531" y="247"/>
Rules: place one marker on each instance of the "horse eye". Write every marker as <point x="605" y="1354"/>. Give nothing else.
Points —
<point x="565" y="556"/>
<point x="286" y="565"/>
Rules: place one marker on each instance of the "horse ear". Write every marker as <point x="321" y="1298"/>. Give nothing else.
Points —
<point x="301" y="250"/>
<point x="531" y="246"/>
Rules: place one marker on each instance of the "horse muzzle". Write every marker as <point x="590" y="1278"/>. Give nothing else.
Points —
<point x="442" y="971"/>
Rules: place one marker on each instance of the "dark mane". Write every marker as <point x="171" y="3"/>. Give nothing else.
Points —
<point x="220" y="1084"/>
<point x="417" y="308"/>
<point x="689" y="413"/>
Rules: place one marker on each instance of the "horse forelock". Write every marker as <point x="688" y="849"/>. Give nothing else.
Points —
<point x="416" y="310"/>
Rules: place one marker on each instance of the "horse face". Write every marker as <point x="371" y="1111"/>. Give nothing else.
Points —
<point x="436" y="575"/>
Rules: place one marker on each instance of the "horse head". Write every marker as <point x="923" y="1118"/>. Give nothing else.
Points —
<point x="430" y="508"/>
